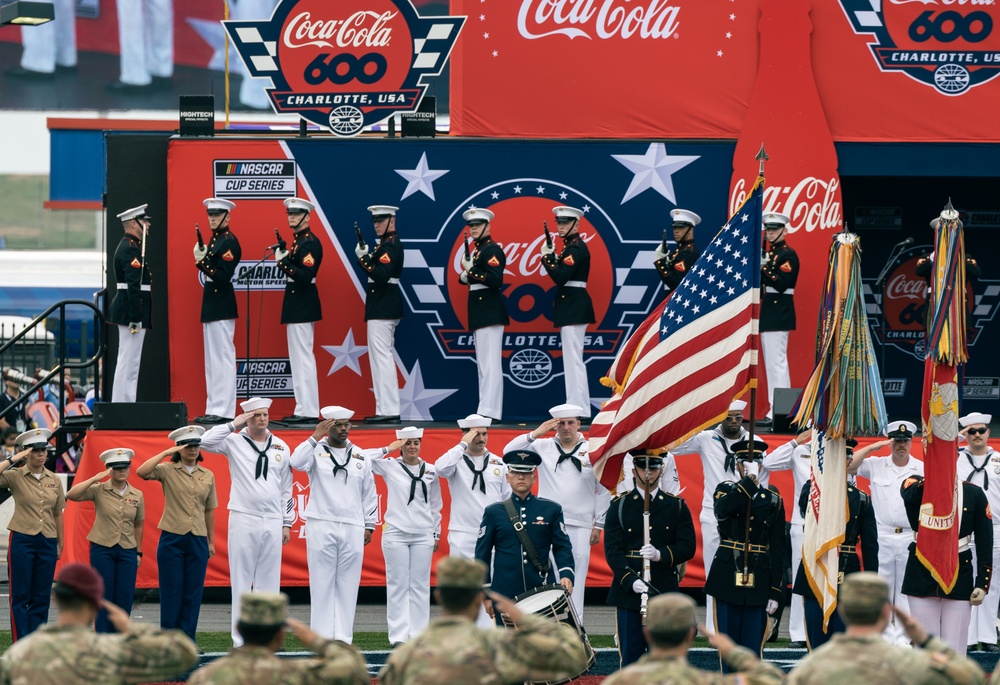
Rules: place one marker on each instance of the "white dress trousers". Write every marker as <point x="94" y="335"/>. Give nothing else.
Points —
<point x="774" y="345"/>
<point x="303" y="362"/>
<point x="946" y="618"/>
<point x="146" y="38"/>
<point x="381" y="356"/>
<point x="489" y="360"/>
<point x="983" y="626"/>
<point x="407" y="582"/>
<point x="893" y="551"/>
<point x="51" y="44"/>
<point x="220" y="367"/>
<point x="579" y="537"/>
<point x="127" y="366"/>
<point x="335" y="552"/>
<point x="254" y="558"/>
<point x="574" y="370"/>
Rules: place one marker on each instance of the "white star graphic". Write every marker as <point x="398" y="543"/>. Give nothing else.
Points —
<point x="496" y="54"/>
<point x="346" y="354"/>
<point x="415" y="401"/>
<point x="563" y="195"/>
<point x="696" y="309"/>
<point x="494" y="195"/>
<point x="517" y="190"/>
<point x="420" y="179"/>
<point x="541" y="190"/>
<point x="486" y="35"/>
<point x="653" y="169"/>
<point x="728" y="34"/>
<point x="732" y="17"/>
<point x="482" y="17"/>
<point x="719" y="53"/>
<point x="586" y="209"/>
<point x="713" y="299"/>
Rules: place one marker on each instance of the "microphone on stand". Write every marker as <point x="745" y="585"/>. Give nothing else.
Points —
<point x="904" y="243"/>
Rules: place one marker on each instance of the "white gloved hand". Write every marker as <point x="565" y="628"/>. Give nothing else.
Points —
<point x="467" y="262"/>
<point x="280" y="254"/>
<point x="649" y="552"/>
<point x="638" y="587"/>
<point x="199" y="252"/>
<point x="772" y="606"/>
<point x="547" y="249"/>
<point x="659" y="253"/>
<point x="463" y="277"/>
<point x="361" y="250"/>
<point x="977" y="596"/>
<point x="135" y="326"/>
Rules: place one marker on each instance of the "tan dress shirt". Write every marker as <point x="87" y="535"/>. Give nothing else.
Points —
<point x="186" y="497"/>
<point x="37" y="501"/>
<point x="117" y="514"/>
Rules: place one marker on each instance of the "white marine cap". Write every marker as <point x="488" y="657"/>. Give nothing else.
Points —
<point x="776" y="219"/>
<point x="566" y="411"/>
<point x="902" y="430"/>
<point x="564" y="212"/>
<point x="974" y="418"/>
<point x="336" y="413"/>
<point x="187" y="435"/>
<point x="383" y="210"/>
<point x="218" y="204"/>
<point x="255" y="403"/>
<point x="409" y="433"/>
<point x="117" y="456"/>
<point x="685" y="216"/>
<point x="737" y="405"/>
<point x="130" y="214"/>
<point x="297" y="204"/>
<point x="477" y="214"/>
<point x="36" y="437"/>
<point x="475" y="421"/>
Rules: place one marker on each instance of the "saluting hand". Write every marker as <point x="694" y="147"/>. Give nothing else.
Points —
<point x="117" y="616"/>
<point x="322" y="429"/>
<point x="467" y="438"/>
<point x="395" y="445"/>
<point x="544" y="428"/>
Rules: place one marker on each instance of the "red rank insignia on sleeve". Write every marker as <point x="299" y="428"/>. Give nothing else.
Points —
<point x="308" y="260"/>
<point x="136" y="264"/>
<point x="493" y="261"/>
<point x="680" y="266"/>
<point x="228" y="255"/>
<point x="385" y="258"/>
<point x="786" y="267"/>
<point x="568" y="261"/>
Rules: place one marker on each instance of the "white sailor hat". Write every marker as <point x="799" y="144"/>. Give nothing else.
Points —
<point x="297" y="204"/>
<point x="215" y="204"/>
<point x="409" y="433"/>
<point x="255" y="403"/>
<point x="336" y="413"/>
<point x="187" y="435"/>
<point x="383" y="210"/>
<point x="477" y="215"/>
<point x="134" y="213"/>
<point x="737" y="405"/>
<point x="37" y="438"/>
<point x="117" y="457"/>
<point x="776" y="220"/>
<point x="974" y="418"/>
<point x="684" y="216"/>
<point x="901" y="430"/>
<point x="563" y="212"/>
<point x="566" y="411"/>
<point x="475" y="421"/>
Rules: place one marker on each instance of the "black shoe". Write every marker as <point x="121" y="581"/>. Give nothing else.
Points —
<point x="212" y="419"/>
<point x="130" y="88"/>
<point x="763" y="423"/>
<point x="988" y="647"/>
<point x="65" y="69"/>
<point x="162" y="83"/>
<point x="382" y="418"/>
<point x="798" y="644"/>
<point x="296" y="419"/>
<point x="30" y="74"/>
<point x="396" y="644"/>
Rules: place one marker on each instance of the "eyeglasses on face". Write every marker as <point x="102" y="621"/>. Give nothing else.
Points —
<point x="978" y="431"/>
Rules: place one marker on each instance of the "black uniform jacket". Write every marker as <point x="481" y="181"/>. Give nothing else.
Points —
<point x="218" y="300"/>
<point x="975" y="521"/>
<point x="861" y="533"/>
<point x="674" y="267"/>
<point x="735" y="503"/>
<point x="777" y="280"/>
<point x="132" y="302"/>
<point x="572" y="303"/>
<point x="301" y="302"/>
<point x="487" y="306"/>
<point x="384" y="266"/>
<point x="670" y="531"/>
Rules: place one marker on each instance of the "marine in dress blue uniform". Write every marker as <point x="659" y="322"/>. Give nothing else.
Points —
<point x="746" y="575"/>
<point x="674" y="265"/>
<point x="671" y="543"/>
<point x="499" y="547"/>
<point x="218" y="261"/>
<point x="131" y="308"/>
<point x="779" y="271"/>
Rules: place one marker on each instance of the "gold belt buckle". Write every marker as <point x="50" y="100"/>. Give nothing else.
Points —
<point x="744" y="579"/>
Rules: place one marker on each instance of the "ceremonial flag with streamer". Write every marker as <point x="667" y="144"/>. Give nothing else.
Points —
<point x="937" y="539"/>
<point x="843" y="398"/>
<point x="681" y="369"/>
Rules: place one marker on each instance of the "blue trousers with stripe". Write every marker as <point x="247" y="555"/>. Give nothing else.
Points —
<point x="182" y="562"/>
<point x="814" y="623"/>
<point x="118" y="567"/>
<point x="745" y="625"/>
<point x="631" y="640"/>
<point x="31" y="566"/>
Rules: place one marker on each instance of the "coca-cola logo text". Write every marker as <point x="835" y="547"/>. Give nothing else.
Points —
<point x="523" y="259"/>
<point x="361" y="29"/>
<point x="602" y="19"/>
<point x="810" y="204"/>
<point x="902" y="287"/>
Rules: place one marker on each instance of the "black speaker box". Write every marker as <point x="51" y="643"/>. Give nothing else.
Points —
<point x="140" y="416"/>
<point x="784" y="400"/>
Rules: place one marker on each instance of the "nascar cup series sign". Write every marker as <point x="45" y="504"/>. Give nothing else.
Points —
<point x="345" y="65"/>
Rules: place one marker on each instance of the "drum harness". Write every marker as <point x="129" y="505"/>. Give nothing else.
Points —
<point x="526" y="544"/>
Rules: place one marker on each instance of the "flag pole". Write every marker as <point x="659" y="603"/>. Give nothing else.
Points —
<point x="755" y="341"/>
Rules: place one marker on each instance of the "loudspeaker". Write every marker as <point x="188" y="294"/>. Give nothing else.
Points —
<point x="784" y="400"/>
<point x="140" y="416"/>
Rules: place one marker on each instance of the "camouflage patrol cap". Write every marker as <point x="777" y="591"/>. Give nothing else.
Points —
<point x="456" y="572"/>
<point x="264" y="608"/>
<point x="863" y="592"/>
<point x="670" y="613"/>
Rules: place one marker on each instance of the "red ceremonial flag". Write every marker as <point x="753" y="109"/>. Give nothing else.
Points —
<point x="683" y="373"/>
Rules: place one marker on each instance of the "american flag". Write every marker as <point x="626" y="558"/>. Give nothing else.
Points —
<point x="684" y="373"/>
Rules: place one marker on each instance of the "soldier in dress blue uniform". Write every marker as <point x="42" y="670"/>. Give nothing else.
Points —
<point x="487" y="312"/>
<point x="383" y="310"/>
<point x="747" y="572"/>
<point x="498" y="546"/>
<point x="300" y="308"/>
<point x="674" y="266"/>
<point x="671" y="543"/>
<point x="572" y="307"/>
<point x="218" y="261"/>
<point x="779" y="270"/>
<point x="131" y="309"/>
<point x="860" y="534"/>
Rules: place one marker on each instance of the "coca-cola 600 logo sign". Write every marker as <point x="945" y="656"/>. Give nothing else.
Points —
<point x="951" y="45"/>
<point x="348" y="64"/>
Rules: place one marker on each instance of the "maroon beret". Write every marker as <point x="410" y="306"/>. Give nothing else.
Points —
<point x="84" y="580"/>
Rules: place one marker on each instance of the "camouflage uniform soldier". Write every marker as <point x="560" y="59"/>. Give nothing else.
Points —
<point x="861" y="655"/>
<point x="263" y="617"/>
<point x="670" y="631"/>
<point x="454" y="650"/>
<point x="69" y="652"/>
